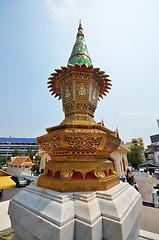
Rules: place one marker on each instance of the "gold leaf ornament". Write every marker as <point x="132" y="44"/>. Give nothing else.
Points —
<point x="99" y="173"/>
<point x="66" y="174"/>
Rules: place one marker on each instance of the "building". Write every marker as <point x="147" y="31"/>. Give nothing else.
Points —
<point x="135" y="141"/>
<point x="138" y="141"/>
<point x="152" y="153"/>
<point x="7" y="145"/>
<point x="154" y="138"/>
<point x="19" y="166"/>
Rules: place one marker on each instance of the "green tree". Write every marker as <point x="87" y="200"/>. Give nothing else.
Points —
<point x="3" y="160"/>
<point x="31" y="154"/>
<point x="16" y="152"/>
<point x="135" y="157"/>
<point x="37" y="159"/>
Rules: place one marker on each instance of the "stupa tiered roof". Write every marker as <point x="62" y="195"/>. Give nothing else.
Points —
<point x="79" y="60"/>
<point x="79" y="52"/>
<point x="101" y="77"/>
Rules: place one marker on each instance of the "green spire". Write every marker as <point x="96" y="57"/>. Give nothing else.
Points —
<point x="80" y="53"/>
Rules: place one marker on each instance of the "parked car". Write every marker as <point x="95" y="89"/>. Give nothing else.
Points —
<point x="29" y="181"/>
<point x="20" y="181"/>
<point x="4" y="167"/>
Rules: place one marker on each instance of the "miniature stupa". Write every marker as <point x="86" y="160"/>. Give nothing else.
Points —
<point x="79" y="196"/>
<point x="79" y="147"/>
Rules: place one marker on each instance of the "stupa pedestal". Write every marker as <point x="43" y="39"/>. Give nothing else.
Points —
<point x="40" y="213"/>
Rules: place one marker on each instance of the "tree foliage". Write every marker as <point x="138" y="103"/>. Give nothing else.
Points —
<point x="34" y="156"/>
<point x="31" y="154"/>
<point x="3" y="160"/>
<point x="16" y="153"/>
<point x="135" y="157"/>
<point x="37" y="159"/>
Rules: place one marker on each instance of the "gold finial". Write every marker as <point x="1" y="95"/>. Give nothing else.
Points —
<point x="80" y="25"/>
<point x="80" y="29"/>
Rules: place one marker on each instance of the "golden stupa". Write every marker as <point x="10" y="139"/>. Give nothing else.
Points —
<point x="79" y="147"/>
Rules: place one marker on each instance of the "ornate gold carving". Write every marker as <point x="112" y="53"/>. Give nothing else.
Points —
<point x="99" y="173"/>
<point x="50" y="144"/>
<point x="94" y="94"/>
<point x="66" y="174"/>
<point x="79" y="185"/>
<point x="82" y="171"/>
<point x="66" y="169"/>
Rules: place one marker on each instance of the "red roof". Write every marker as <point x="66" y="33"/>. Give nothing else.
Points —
<point x="21" y="161"/>
<point x="27" y="164"/>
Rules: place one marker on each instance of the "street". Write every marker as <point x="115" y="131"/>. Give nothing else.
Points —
<point x="9" y="193"/>
<point x="145" y="188"/>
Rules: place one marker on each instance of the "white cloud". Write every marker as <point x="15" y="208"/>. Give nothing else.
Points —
<point x="61" y="9"/>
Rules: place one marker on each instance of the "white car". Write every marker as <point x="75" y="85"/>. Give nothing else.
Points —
<point x="141" y="170"/>
<point x="4" y="167"/>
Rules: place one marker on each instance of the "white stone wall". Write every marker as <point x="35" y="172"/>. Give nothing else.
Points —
<point x="19" y="171"/>
<point x="9" y="169"/>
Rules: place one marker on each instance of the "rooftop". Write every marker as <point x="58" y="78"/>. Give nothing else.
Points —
<point x="21" y="161"/>
<point x="18" y="140"/>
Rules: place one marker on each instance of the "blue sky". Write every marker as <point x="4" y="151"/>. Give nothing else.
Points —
<point x="37" y="37"/>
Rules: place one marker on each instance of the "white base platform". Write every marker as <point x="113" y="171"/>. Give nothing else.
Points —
<point x="40" y="213"/>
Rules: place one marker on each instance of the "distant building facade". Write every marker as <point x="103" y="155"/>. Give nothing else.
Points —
<point x="19" y="166"/>
<point x="138" y="141"/>
<point x="7" y="145"/>
<point x="153" y="149"/>
<point x="135" y="141"/>
<point x="154" y="138"/>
